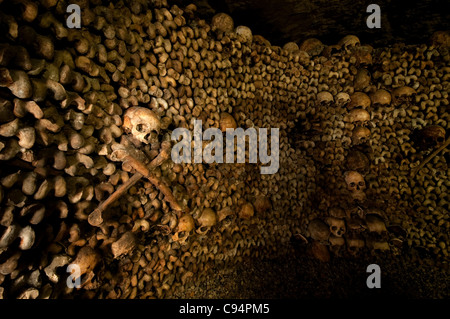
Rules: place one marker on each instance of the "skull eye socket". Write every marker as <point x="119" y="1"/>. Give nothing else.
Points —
<point x="352" y="184"/>
<point x="333" y="228"/>
<point x="361" y="183"/>
<point x="182" y="234"/>
<point x="440" y="139"/>
<point x="140" y="128"/>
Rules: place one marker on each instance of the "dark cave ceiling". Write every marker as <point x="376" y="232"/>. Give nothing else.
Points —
<point x="281" y="21"/>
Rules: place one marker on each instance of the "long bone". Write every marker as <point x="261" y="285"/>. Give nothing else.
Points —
<point x="128" y="156"/>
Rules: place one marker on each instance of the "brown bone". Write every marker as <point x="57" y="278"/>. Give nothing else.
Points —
<point x="96" y="219"/>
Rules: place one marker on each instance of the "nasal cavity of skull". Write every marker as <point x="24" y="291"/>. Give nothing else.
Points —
<point x="334" y="228"/>
<point x="143" y="128"/>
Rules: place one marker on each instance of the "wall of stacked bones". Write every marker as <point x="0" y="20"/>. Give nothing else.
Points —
<point x="87" y="113"/>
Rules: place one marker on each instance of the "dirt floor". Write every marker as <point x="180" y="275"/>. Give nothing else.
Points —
<point x="299" y="275"/>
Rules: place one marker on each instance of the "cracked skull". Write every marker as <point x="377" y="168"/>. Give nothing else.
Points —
<point x="141" y="122"/>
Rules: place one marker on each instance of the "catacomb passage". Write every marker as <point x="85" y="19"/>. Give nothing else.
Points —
<point x="93" y="203"/>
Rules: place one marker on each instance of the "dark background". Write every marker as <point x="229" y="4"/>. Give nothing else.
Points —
<point x="281" y="21"/>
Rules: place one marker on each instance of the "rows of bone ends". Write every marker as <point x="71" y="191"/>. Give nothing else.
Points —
<point x="355" y="121"/>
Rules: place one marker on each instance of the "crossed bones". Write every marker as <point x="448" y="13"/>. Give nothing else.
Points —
<point x="129" y="155"/>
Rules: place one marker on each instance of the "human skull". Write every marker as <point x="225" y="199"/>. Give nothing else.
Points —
<point x="207" y="219"/>
<point x="260" y="40"/>
<point x="357" y="161"/>
<point x="355" y="184"/>
<point x="355" y="225"/>
<point x="336" y="244"/>
<point x="342" y="99"/>
<point x="224" y="214"/>
<point x="246" y="211"/>
<point x="337" y="212"/>
<point x="312" y="46"/>
<point x="360" y="135"/>
<point x="87" y="259"/>
<point x="355" y="181"/>
<point x="378" y="245"/>
<point x="359" y="100"/>
<point x="362" y="80"/>
<point x="358" y="116"/>
<point x="320" y="251"/>
<point x="381" y="98"/>
<point x="375" y="224"/>
<point x="318" y="230"/>
<point x="363" y="55"/>
<point x="331" y="50"/>
<point x="375" y="211"/>
<point x="262" y="204"/>
<point x="397" y="236"/>
<point x="291" y="47"/>
<point x="324" y="98"/>
<point x="441" y="38"/>
<point x="124" y="245"/>
<point x="432" y="136"/>
<point x="303" y="57"/>
<point x="183" y="229"/>
<point x="354" y="244"/>
<point x="245" y="33"/>
<point x="349" y="41"/>
<point x="222" y="22"/>
<point x="141" y="122"/>
<point x="336" y="241"/>
<point x="403" y="94"/>
<point x="226" y="121"/>
<point x="337" y="226"/>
